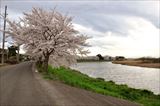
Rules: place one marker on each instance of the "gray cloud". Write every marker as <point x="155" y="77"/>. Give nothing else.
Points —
<point x="92" y="11"/>
<point x="100" y="16"/>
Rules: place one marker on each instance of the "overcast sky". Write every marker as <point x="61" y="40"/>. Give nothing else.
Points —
<point x="126" y="27"/>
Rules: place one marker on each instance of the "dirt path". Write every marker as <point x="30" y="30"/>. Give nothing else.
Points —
<point x="20" y="86"/>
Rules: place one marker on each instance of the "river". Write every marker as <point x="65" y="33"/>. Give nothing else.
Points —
<point x="135" y="77"/>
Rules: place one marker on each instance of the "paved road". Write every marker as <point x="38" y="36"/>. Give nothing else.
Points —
<point x="20" y="86"/>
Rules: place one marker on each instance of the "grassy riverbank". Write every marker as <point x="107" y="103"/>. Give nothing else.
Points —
<point x="77" y="79"/>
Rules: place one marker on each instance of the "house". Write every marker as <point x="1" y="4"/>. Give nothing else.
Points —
<point x="5" y="53"/>
<point x="108" y="58"/>
<point x="119" y="58"/>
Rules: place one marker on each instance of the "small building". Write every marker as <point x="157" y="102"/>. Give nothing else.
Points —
<point x="108" y="58"/>
<point x="5" y="53"/>
<point x="119" y="58"/>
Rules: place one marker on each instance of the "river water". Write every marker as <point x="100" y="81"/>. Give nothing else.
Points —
<point x="135" y="77"/>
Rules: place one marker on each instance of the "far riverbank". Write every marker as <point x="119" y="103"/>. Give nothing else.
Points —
<point x="139" y="63"/>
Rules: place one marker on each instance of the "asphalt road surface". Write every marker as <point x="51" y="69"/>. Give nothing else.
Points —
<point x="20" y="85"/>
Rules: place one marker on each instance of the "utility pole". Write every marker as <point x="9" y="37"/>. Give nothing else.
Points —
<point x="3" y="43"/>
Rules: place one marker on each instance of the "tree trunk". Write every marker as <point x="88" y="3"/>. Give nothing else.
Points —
<point x="45" y="64"/>
<point x="18" y="54"/>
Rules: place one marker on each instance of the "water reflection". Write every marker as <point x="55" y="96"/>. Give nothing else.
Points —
<point x="136" y="77"/>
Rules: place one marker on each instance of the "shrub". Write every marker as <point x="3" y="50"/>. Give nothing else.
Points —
<point x="12" y="60"/>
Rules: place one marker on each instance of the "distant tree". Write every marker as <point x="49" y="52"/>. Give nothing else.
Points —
<point x="48" y="35"/>
<point x="100" y="57"/>
<point x="12" y="51"/>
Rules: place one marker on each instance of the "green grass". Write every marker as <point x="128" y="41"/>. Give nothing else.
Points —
<point x="77" y="79"/>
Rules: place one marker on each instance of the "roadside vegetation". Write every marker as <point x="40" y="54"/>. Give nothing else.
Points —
<point x="98" y="85"/>
<point x="1" y="65"/>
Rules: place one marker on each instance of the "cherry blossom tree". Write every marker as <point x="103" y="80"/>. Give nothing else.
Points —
<point x="48" y="36"/>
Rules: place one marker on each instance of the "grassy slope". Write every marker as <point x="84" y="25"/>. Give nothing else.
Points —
<point x="77" y="79"/>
